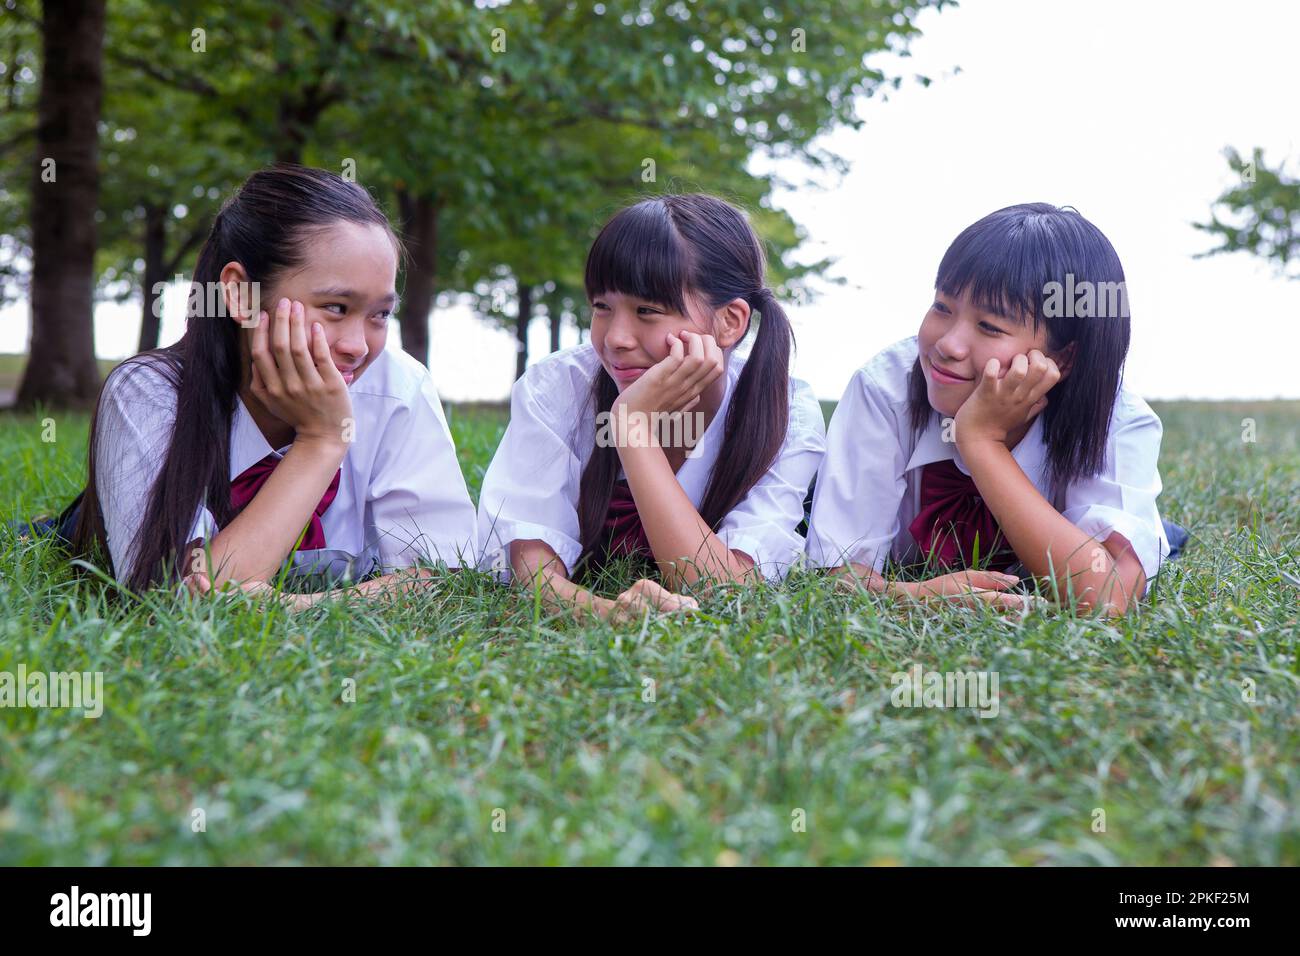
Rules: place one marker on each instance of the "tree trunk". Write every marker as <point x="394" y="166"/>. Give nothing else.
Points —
<point x="61" y="370"/>
<point x="556" y="318"/>
<point x="420" y="234"/>
<point x="155" y="278"/>
<point x="521" y="329"/>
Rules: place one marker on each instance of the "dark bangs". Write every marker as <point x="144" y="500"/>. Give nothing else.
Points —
<point x="640" y="253"/>
<point x="1034" y="263"/>
<point x="1008" y="260"/>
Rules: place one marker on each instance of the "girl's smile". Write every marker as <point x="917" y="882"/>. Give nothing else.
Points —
<point x="626" y="374"/>
<point x="941" y="376"/>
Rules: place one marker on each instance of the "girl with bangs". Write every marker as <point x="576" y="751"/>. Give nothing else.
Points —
<point x="1001" y="441"/>
<point x="278" y="442"/>
<point x="656" y="442"/>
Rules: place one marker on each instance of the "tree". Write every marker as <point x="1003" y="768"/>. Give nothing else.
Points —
<point x="19" y="91"/>
<point x="563" y="191"/>
<point x="1262" y="214"/>
<point x="500" y="136"/>
<point x="179" y="136"/>
<point x="61" y="370"/>
<point x="498" y="85"/>
<point x="168" y="160"/>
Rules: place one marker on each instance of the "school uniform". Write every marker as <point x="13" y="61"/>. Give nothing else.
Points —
<point x="883" y="491"/>
<point x="398" y="498"/>
<point x="530" y="491"/>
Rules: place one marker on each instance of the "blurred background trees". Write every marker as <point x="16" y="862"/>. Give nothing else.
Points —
<point x="498" y="135"/>
<point x="1260" y="215"/>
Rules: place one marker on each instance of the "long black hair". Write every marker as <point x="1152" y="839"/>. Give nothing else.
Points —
<point x="264" y="227"/>
<point x="659" y="250"/>
<point x="1023" y="263"/>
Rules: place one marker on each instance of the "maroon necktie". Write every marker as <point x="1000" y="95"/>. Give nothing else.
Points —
<point x="623" y="528"/>
<point x="250" y="481"/>
<point x="952" y="517"/>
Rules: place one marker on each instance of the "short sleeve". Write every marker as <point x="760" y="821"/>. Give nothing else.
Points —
<point x="418" y="505"/>
<point x="1122" y="497"/>
<point x="530" y="490"/>
<point x="137" y="413"/>
<point x="861" y="483"/>
<point x="764" y="524"/>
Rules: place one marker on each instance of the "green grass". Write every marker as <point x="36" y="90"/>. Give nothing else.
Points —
<point x="772" y="701"/>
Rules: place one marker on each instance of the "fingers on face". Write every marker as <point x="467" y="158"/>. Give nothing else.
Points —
<point x="694" y="344"/>
<point x="704" y="376"/>
<point x="280" y="328"/>
<point x="263" y="360"/>
<point x="1043" y="374"/>
<point x="303" y="361"/>
<point x="1019" y="368"/>
<point x="705" y="360"/>
<point x="282" y="348"/>
<point x="320" y="349"/>
<point x="1048" y="374"/>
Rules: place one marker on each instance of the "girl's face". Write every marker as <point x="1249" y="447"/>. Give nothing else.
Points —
<point x="631" y="334"/>
<point x="957" y="340"/>
<point x="348" y="285"/>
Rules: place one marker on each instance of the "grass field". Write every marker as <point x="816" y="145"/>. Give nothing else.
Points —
<point x="486" y="731"/>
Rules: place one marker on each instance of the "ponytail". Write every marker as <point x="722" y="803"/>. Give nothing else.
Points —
<point x="758" y="416"/>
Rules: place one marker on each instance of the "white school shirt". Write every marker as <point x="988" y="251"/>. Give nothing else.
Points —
<point x="401" y="496"/>
<point x="869" y="486"/>
<point x="530" y="491"/>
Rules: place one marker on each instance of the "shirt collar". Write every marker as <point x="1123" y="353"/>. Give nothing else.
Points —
<point x="1030" y="454"/>
<point x="248" y="445"/>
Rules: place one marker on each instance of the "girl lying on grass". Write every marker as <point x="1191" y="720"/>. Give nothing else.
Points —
<point x="1001" y="440"/>
<point x="656" y="441"/>
<point x="285" y="435"/>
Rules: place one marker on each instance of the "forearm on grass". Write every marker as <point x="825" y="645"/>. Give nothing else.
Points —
<point x="685" y="548"/>
<point x="535" y="564"/>
<point x="407" y="582"/>
<point x="867" y="578"/>
<point x="1104" y="575"/>
<point x="254" y="545"/>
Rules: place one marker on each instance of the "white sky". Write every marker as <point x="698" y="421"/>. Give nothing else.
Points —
<point x="1120" y="109"/>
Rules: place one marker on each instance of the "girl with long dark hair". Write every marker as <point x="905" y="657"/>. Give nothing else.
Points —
<point x="286" y="433"/>
<point x="1001" y="440"/>
<point x="656" y="441"/>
